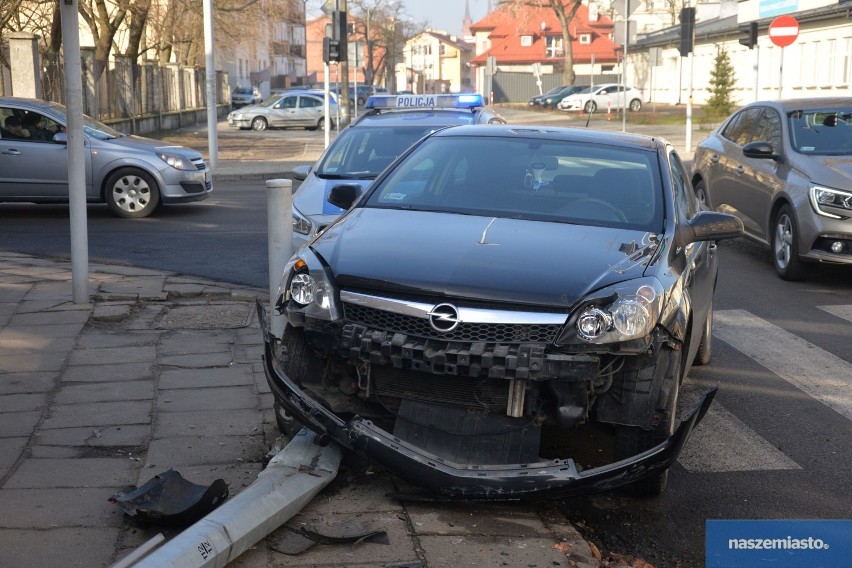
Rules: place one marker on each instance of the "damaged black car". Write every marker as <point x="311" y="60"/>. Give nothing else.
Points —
<point x="507" y="312"/>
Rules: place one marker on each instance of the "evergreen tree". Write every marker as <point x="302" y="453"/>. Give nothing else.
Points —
<point x="722" y="82"/>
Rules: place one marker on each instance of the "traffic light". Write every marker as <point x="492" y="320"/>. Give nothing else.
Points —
<point x="687" y="31"/>
<point x="751" y="30"/>
<point x="330" y="50"/>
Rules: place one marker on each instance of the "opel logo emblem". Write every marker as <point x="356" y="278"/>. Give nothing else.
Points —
<point x="444" y="318"/>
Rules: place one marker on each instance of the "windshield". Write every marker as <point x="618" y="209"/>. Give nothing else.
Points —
<point x="583" y="91"/>
<point x="243" y="91"/>
<point x="528" y="179"/>
<point x="823" y="131"/>
<point x="362" y="153"/>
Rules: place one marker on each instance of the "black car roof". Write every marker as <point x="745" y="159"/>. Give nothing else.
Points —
<point x="583" y="135"/>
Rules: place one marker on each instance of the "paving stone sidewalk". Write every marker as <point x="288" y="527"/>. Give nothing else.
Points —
<point x="163" y="371"/>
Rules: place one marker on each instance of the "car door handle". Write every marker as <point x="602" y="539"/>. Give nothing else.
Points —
<point x="714" y="158"/>
<point x="12" y="152"/>
<point x="740" y="170"/>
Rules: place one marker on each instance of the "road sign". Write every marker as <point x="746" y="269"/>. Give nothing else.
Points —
<point x="783" y="30"/>
<point x="328" y="7"/>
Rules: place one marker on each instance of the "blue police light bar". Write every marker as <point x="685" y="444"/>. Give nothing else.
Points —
<point x="466" y="101"/>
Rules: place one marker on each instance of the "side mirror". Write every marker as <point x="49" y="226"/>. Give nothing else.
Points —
<point x="61" y="138"/>
<point x="300" y="173"/>
<point x="711" y="226"/>
<point x="344" y="196"/>
<point x="761" y="151"/>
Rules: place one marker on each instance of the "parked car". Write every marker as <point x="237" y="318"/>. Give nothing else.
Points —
<point x="603" y="97"/>
<point x="785" y="169"/>
<point x="294" y="108"/>
<point x="550" y="101"/>
<point x="244" y="96"/>
<point x="536" y="100"/>
<point x="500" y="298"/>
<point x="364" y="92"/>
<point x="361" y="151"/>
<point x="133" y="175"/>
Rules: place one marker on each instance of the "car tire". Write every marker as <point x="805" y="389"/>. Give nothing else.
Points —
<point x="785" y="245"/>
<point x="259" y="124"/>
<point x="705" y="344"/>
<point x="635" y="105"/>
<point x="632" y="440"/>
<point x="702" y="195"/>
<point x="590" y="107"/>
<point x="131" y="193"/>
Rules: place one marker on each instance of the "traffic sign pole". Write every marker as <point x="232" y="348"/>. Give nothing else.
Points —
<point x="783" y="31"/>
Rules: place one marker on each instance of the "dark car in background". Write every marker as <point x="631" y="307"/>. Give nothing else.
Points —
<point x="536" y="100"/>
<point x="244" y="96"/>
<point x="785" y="169"/>
<point x="552" y="100"/>
<point x="501" y="299"/>
<point x="361" y="151"/>
<point x="131" y="174"/>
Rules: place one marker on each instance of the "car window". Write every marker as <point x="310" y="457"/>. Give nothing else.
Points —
<point x="365" y="152"/>
<point x="741" y="127"/>
<point x="528" y="179"/>
<point x="769" y="129"/>
<point x="289" y="102"/>
<point x="309" y="102"/>
<point x="821" y="131"/>
<point x="685" y="199"/>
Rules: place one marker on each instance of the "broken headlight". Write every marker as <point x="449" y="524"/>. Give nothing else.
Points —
<point x="306" y="288"/>
<point x="622" y="312"/>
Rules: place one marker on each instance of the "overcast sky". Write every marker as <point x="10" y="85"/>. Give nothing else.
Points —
<point x="446" y="15"/>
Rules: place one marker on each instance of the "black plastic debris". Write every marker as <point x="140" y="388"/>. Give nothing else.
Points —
<point x="349" y="531"/>
<point x="169" y="499"/>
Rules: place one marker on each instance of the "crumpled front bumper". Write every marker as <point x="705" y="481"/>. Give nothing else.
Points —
<point x="474" y="482"/>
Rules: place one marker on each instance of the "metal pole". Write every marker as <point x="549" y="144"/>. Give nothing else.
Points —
<point x="326" y="104"/>
<point x="756" y="72"/>
<point x="624" y="70"/>
<point x="76" y="151"/>
<point x="210" y="75"/>
<point x="688" y="141"/>
<point x="781" y="75"/>
<point x="279" y="226"/>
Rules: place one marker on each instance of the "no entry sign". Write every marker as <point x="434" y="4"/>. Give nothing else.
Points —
<point x="783" y="30"/>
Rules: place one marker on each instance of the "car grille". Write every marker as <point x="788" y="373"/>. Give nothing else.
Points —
<point x="472" y="332"/>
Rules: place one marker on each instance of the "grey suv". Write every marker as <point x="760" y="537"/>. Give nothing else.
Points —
<point x="133" y="175"/>
<point x="785" y="169"/>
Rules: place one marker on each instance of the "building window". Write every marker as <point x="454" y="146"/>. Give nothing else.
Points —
<point x="554" y="46"/>
<point x="846" y="61"/>
<point x="526" y="40"/>
<point x="585" y="39"/>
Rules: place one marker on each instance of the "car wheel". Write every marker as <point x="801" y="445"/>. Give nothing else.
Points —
<point x="785" y="246"/>
<point x="259" y="123"/>
<point x="705" y="345"/>
<point x="590" y="107"/>
<point x="632" y="440"/>
<point x="635" y="105"/>
<point x="701" y="194"/>
<point x="131" y="193"/>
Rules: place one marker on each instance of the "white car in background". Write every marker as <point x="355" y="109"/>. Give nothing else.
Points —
<point x="603" y="97"/>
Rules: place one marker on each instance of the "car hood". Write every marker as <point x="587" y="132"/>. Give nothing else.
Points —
<point x="311" y="197"/>
<point x="485" y="258"/>
<point x="148" y="144"/>
<point x="833" y="171"/>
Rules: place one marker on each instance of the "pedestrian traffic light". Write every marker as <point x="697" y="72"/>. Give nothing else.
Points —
<point x="687" y="31"/>
<point x="330" y="50"/>
<point x="751" y="30"/>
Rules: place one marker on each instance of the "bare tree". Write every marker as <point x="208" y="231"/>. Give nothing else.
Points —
<point x="565" y="10"/>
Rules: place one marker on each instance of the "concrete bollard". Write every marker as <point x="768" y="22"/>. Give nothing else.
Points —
<point x="279" y="221"/>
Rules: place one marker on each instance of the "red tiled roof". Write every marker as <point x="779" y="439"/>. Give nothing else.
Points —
<point x="508" y="24"/>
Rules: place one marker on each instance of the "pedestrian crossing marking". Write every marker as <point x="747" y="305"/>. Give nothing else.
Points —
<point x="788" y="356"/>
<point x="841" y="311"/>
<point x="722" y="442"/>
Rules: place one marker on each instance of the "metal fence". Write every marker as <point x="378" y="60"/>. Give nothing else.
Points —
<point x="126" y="91"/>
<point x="513" y="87"/>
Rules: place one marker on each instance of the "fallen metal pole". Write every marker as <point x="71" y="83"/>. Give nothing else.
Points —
<point x="293" y="477"/>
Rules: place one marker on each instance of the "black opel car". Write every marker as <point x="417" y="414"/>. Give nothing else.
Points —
<point x="500" y="298"/>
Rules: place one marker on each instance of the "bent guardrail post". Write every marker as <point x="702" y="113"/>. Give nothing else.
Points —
<point x="293" y="477"/>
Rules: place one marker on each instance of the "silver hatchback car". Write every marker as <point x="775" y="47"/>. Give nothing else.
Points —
<point x="133" y="175"/>
<point x="785" y="169"/>
<point x="291" y="108"/>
